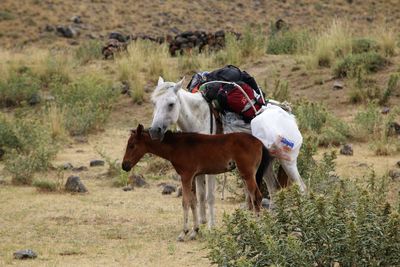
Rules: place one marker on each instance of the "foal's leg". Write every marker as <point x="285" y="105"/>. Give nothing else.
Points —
<point x="186" y="201"/>
<point x="291" y="170"/>
<point x="201" y="197"/>
<point x="254" y="194"/>
<point x="211" y="199"/>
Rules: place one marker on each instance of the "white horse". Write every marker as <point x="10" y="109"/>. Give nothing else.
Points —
<point x="191" y="112"/>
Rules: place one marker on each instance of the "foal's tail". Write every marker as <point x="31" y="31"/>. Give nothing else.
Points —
<point x="265" y="161"/>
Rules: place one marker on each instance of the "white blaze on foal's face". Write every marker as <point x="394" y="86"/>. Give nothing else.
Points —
<point x="166" y="107"/>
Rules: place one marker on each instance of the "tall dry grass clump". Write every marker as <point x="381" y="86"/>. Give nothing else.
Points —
<point x="387" y="40"/>
<point x="331" y="43"/>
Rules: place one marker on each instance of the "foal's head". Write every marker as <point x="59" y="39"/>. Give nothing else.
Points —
<point x="166" y="107"/>
<point x="135" y="149"/>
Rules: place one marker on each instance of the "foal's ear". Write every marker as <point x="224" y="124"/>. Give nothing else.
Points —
<point x="178" y="85"/>
<point x="160" y="81"/>
<point x="139" y="130"/>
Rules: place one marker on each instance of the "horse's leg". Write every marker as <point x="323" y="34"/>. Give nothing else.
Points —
<point x="211" y="200"/>
<point x="291" y="170"/>
<point x="186" y="181"/>
<point x="270" y="180"/>
<point x="193" y="207"/>
<point x="201" y="197"/>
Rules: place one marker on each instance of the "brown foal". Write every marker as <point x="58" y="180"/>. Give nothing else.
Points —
<point x="192" y="154"/>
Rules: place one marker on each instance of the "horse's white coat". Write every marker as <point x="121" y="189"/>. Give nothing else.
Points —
<point x="191" y="113"/>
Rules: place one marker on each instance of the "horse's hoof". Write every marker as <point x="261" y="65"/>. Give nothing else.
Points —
<point x="193" y="235"/>
<point x="181" y="237"/>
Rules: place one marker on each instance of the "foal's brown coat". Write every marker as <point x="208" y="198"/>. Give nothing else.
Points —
<point x="192" y="154"/>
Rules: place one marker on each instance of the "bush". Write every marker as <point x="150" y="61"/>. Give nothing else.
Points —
<point x="30" y="148"/>
<point x="286" y="42"/>
<point x="20" y="86"/>
<point x="315" y="120"/>
<point x="349" y="225"/>
<point x="363" y="45"/>
<point x="86" y="103"/>
<point x="45" y="185"/>
<point x="369" y="61"/>
<point x="88" y="51"/>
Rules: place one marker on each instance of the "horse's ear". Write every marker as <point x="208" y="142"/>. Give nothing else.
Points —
<point x="178" y="85"/>
<point x="160" y="81"/>
<point x="139" y="130"/>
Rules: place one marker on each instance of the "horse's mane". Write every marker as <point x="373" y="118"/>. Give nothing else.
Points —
<point x="170" y="136"/>
<point x="161" y="89"/>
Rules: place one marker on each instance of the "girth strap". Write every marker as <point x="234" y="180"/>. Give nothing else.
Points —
<point x="214" y="113"/>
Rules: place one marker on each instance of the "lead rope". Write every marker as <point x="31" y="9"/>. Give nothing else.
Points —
<point x="211" y="119"/>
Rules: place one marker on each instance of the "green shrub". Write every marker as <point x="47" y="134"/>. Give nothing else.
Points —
<point x="89" y="50"/>
<point x="6" y="15"/>
<point x="19" y="87"/>
<point x="45" y="185"/>
<point x="86" y="103"/>
<point x="362" y="45"/>
<point x="315" y="120"/>
<point x="281" y="91"/>
<point x="122" y="179"/>
<point x="286" y="42"/>
<point x="349" y="225"/>
<point x="31" y="149"/>
<point x="370" y="62"/>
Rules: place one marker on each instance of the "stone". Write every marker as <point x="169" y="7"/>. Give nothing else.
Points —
<point x="2" y="152"/>
<point x="265" y="202"/>
<point x="347" y="150"/>
<point x="74" y="184"/>
<point x="398" y="164"/>
<point x="395" y="128"/>
<point x="394" y="174"/>
<point x="337" y="85"/>
<point x="76" y="19"/>
<point x="25" y="254"/>
<point x="80" y="139"/>
<point x="49" y="28"/>
<point x="117" y="36"/>
<point x="125" y="88"/>
<point x="127" y="188"/>
<point x="138" y="180"/>
<point x="2" y="181"/>
<point x="385" y="110"/>
<point x="34" y="99"/>
<point x="80" y="169"/>
<point x="67" y="31"/>
<point x="168" y="189"/>
<point x="97" y="162"/>
<point x="67" y="166"/>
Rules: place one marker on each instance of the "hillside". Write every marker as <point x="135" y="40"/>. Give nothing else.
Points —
<point x="24" y="22"/>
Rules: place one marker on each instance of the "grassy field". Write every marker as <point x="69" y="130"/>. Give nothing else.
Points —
<point x="62" y="104"/>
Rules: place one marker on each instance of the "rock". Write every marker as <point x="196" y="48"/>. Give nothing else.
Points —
<point x="398" y="164"/>
<point x="97" y="162"/>
<point x="168" y="189"/>
<point x="394" y="127"/>
<point x="394" y="174"/>
<point x="127" y="188"/>
<point x="67" y="31"/>
<point x="25" y="254"/>
<point x="74" y="184"/>
<point x="1" y="153"/>
<point x="138" y="180"/>
<point x="80" y="169"/>
<point x="80" y="139"/>
<point x="385" y="110"/>
<point x="265" y="202"/>
<point x="76" y="19"/>
<point x="125" y="88"/>
<point x="67" y="166"/>
<point x="49" y="28"/>
<point x="347" y="150"/>
<point x="337" y="85"/>
<point x="179" y="192"/>
<point x="2" y="181"/>
<point x="34" y="99"/>
<point x="118" y="36"/>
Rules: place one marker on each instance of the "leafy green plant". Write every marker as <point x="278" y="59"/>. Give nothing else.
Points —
<point x="44" y="185"/>
<point x="362" y="45"/>
<point x="17" y="88"/>
<point x="369" y="61"/>
<point x="286" y="42"/>
<point x="350" y="224"/>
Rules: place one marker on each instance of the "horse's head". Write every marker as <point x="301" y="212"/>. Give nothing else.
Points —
<point x="135" y="149"/>
<point x="166" y="107"/>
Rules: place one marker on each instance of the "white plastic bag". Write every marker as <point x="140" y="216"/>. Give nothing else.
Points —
<point x="278" y="131"/>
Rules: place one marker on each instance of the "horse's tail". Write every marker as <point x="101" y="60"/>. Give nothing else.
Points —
<point x="265" y="161"/>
